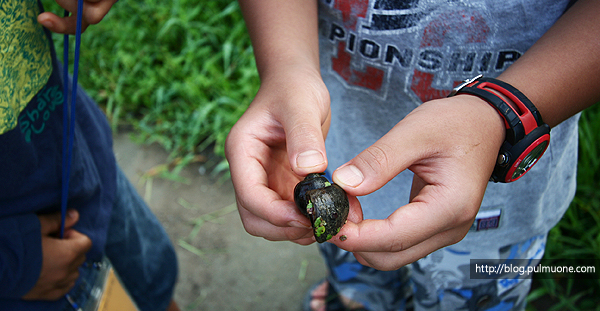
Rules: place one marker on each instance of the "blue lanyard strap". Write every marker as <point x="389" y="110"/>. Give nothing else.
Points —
<point x="69" y="116"/>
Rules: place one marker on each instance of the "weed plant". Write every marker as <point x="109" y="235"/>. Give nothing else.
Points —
<point x="182" y="72"/>
<point x="576" y="238"/>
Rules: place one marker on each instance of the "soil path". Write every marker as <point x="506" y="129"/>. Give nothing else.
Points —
<point x="221" y="266"/>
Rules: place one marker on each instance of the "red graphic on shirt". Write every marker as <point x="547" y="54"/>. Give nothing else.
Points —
<point x="371" y="77"/>
<point x="473" y="27"/>
<point x="351" y="11"/>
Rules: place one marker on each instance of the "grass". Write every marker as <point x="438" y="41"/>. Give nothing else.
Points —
<point x="577" y="235"/>
<point x="181" y="73"/>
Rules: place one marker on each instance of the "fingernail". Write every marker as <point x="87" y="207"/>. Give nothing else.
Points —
<point x="349" y="175"/>
<point x="309" y="159"/>
<point x="72" y="213"/>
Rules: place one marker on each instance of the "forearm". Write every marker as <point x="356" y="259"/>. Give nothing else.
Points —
<point x="283" y="33"/>
<point x="560" y="73"/>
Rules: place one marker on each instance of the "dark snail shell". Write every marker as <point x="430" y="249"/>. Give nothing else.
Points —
<point x="324" y="203"/>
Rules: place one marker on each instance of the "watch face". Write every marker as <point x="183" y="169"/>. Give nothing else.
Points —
<point x="529" y="160"/>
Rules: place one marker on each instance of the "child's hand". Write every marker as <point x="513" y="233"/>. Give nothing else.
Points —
<point x="451" y="145"/>
<point x="93" y="12"/>
<point x="288" y="118"/>
<point x="61" y="257"/>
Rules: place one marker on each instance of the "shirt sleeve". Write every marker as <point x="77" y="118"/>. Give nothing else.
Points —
<point x="20" y="255"/>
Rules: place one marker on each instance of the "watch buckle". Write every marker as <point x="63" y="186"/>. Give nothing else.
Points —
<point x="463" y="84"/>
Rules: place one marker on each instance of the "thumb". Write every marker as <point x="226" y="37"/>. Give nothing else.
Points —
<point x="305" y="140"/>
<point x="376" y="165"/>
<point x="50" y="223"/>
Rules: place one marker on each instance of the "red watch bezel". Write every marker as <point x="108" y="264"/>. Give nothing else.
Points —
<point x="544" y="139"/>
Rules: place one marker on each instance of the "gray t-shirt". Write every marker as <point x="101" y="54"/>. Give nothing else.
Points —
<point x="381" y="59"/>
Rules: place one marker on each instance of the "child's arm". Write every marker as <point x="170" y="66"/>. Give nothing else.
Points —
<point x="451" y="145"/>
<point x="560" y="74"/>
<point x="284" y="34"/>
<point x="281" y="136"/>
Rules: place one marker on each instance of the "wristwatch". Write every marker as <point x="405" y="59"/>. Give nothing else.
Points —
<point x="527" y="136"/>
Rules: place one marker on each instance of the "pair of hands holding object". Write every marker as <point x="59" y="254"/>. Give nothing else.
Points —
<point x="277" y="142"/>
<point x="450" y="144"/>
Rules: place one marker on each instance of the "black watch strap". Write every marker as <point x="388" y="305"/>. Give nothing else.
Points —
<point x="527" y="136"/>
<point x="516" y="129"/>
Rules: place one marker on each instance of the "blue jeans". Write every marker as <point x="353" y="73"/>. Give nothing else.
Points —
<point x="140" y="252"/>
<point x="438" y="282"/>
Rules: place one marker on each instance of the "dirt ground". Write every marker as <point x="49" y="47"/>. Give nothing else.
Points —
<point x="221" y="267"/>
